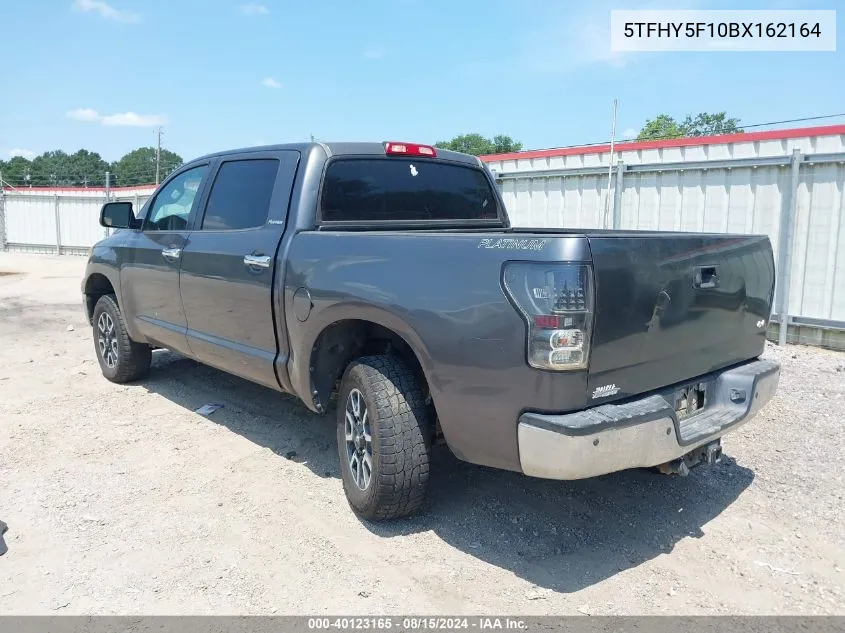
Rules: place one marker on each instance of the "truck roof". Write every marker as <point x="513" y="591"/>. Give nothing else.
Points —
<point x="340" y="149"/>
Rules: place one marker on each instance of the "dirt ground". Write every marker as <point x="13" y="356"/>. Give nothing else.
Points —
<point x="122" y="499"/>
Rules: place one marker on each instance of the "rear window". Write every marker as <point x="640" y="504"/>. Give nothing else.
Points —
<point x="404" y="189"/>
<point x="240" y="196"/>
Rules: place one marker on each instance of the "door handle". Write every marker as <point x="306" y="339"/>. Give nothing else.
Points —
<point x="257" y="261"/>
<point x="171" y="254"/>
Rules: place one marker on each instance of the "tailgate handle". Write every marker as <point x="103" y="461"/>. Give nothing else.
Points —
<point x="706" y="277"/>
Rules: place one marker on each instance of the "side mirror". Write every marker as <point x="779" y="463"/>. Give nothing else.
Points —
<point x="118" y="215"/>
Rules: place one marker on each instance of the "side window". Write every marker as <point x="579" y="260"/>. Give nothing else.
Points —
<point x="172" y="207"/>
<point x="240" y="195"/>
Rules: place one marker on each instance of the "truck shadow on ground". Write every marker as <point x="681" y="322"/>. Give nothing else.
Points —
<point x="561" y="536"/>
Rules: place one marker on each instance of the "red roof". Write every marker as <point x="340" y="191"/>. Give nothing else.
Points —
<point x="94" y="189"/>
<point x="627" y="146"/>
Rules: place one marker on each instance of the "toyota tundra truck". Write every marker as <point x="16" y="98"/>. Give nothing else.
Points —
<point x="384" y="282"/>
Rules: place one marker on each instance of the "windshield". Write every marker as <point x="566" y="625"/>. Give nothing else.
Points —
<point x="404" y="189"/>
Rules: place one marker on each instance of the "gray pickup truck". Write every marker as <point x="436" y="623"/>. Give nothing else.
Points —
<point x="387" y="275"/>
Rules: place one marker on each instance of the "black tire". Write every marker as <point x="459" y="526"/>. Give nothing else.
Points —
<point x="133" y="359"/>
<point x="400" y="434"/>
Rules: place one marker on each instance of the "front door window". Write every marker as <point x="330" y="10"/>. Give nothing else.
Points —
<point x="172" y="207"/>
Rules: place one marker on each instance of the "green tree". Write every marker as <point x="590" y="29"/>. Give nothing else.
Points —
<point x="503" y="144"/>
<point x="56" y="168"/>
<point x="478" y="145"/>
<point x="703" y="124"/>
<point x="86" y="169"/>
<point x="707" y="124"/>
<point x="662" y="126"/>
<point x="50" y="169"/>
<point x="15" y="171"/>
<point x="138" y="167"/>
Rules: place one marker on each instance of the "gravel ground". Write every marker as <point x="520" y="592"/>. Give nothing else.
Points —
<point x="121" y="499"/>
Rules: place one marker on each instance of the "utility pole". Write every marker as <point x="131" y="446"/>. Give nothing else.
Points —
<point x="2" y="213"/>
<point x="108" y="196"/>
<point x="610" y="168"/>
<point x="158" y="154"/>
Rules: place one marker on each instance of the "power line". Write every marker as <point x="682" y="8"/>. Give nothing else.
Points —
<point x="665" y="137"/>
<point x="47" y="177"/>
<point x="95" y="176"/>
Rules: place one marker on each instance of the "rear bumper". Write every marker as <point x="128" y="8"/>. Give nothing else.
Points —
<point x="644" y="432"/>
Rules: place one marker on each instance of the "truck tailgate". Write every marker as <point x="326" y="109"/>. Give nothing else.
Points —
<point x="670" y="307"/>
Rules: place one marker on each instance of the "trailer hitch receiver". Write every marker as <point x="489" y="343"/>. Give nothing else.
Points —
<point x="710" y="453"/>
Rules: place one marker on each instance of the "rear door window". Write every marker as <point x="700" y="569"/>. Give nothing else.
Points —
<point x="404" y="189"/>
<point x="240" y="195"/>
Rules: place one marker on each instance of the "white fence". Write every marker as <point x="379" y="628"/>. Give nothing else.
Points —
<point x="60" y="220"/>
<point x="788" y="184"/>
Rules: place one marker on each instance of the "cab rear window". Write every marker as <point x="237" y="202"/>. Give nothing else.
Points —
<point x="405" y="189"/>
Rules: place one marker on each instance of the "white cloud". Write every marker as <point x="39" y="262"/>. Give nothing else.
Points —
<point x="269" y="82"/>
<point x="373" y="52"/>
<point x="254" y="8"/>
<point x="629" y="133"/>
<point x="83" y="114"/>
<point x="106" y="11"/>
<point x="25" y="153"/>
<point x="130" y="119"/>
<point x="134" y="120"/>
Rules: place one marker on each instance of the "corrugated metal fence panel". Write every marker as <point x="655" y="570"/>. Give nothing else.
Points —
<point x="573" y="201"/>
<point x="79" y="221"/>
<point x="817" y="289"/>
<point x="137" y="200"/>
<point x="31" y="221"/>
<point x="741" y="200"/>
<point x="837" y="280"/>
<point x="30" y="215"/>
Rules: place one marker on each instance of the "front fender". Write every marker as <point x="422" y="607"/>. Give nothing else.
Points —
<point x="102" y="276"/>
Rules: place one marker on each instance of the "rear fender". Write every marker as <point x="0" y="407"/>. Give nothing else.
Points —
<point x="303" y="338"/>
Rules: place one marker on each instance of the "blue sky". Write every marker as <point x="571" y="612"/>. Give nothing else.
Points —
<point x="218" y="74"/>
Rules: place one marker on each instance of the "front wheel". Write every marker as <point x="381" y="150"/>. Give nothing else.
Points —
<point x="121" y="359"/>
<point x="383" y="438"/>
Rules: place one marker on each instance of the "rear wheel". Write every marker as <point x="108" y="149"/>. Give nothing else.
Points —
<point x="383" y="438"/>
<point x="121" y="359"/>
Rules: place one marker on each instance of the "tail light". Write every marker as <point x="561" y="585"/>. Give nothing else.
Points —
<point x="556" y="301"/>
<point x="409" y="149"/>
